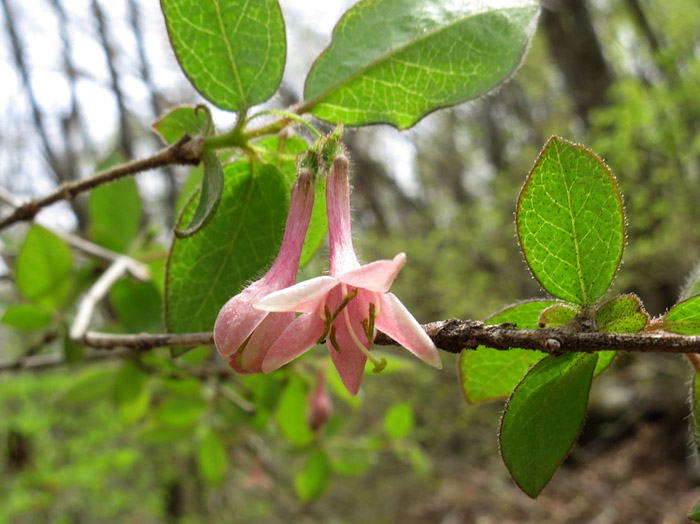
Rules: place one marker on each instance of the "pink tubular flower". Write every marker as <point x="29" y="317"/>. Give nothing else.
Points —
<point x="243" y="334"/>
<point x="347" y="307"/>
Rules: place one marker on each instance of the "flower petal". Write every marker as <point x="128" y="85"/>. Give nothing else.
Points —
<point x="304" y="297"/>
<point x="262" y="339"/>
<point x="350" y="362"/>
<point x="375" y="276"/>
<point x="300" y="336"/>
<point x="236" y="321"/>
<point x="397" y="322"/>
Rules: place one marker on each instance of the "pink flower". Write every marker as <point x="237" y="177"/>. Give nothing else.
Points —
<point x="347" y="307"/>
<point x="243" y="334"/>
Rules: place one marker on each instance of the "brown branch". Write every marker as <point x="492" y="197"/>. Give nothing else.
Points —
<point x="454" y="335"/>
<point x="187" y="150"/>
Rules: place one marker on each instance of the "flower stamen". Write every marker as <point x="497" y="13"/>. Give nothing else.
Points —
<point x="379" y="364"/>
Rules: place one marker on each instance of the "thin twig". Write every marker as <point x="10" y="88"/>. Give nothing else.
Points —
<point x="96" y="293"/>
<point x="41" y="362"/>
<point x="185" y="151"/>
<point x="454" y="335"/>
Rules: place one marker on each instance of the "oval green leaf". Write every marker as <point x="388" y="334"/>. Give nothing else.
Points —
<point x="180" y="121"/>
<point x="291" y="413"/>
<point x="556" y="315"/>
<point x="27" y="316"/>
<point x="544" y="417"/>
<point x="43" y="267"/>
<point x="115" y="214"/>
<point x="232" y="51"/>
<point x="490" y="374"/>
<point x="399" y="420"/>
<point x="571" y="223"/>
<point x="243" y="237"/>
<point x="313" y="479"/>
<point x="395" y="61"/>
<point x="684" y="317"/>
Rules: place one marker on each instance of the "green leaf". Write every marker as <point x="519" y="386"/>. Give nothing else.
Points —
<point x="188" y="189"/>
<point x="684" y="317"/>
<point x="395" y="61"/>
<point x="622" y="314"/>
<point x="399" y="421"/>
<point x="129" y="382"/>
<point x="694" y="514"/>
<point x="180" y="411"/>
<point x="571" y="223"/>
<point x="291" y="413"/>
<point x="490" y="374"/>
<point x="556" y="315"/>
<point x="212" y="458"/>
<point x="91" y="385"/>
<point x="43" y="267"/>
<point x="233" y="51"/>
<point x="209" y="195"/>
<point x="115" y="214"/>
<point x="695" y="411"/>
<point x="310" y="482"/>
<point x="138" y="305"/>
<point x="27" y="316"/>
<point x="243" y="237"/>
<point x="544" y="417"/>
<point x="180" y="121"/>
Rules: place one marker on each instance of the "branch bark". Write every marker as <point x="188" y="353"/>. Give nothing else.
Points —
<point x="187" y="150"/>
<point x="454" y="335"/>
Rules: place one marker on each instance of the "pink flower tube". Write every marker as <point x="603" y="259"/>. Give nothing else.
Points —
<point x="347" y="307"/>
<point x="243" y="334"/>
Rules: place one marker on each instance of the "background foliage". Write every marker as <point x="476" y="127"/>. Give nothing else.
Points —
<point x="145" y="438"/>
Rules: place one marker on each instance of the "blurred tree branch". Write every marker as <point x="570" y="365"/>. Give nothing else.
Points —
<point x="185" y="151"/>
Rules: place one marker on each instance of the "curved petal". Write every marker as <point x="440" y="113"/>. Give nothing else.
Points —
<point x="236" y="321"/>
<point x="262" y="339"/>
<point x="397" y="322"/>
<point x="236" y="366"/>
<point x="375" y="276"/>
<point x="350" y="362"/>
<point x="300" y="336"/>
<point x="304" y="297"/>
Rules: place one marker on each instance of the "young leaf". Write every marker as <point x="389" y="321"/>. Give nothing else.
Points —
<point x="115" y="214"/>
<point x="556" y="315"/>
<point x="209" y="195"/>
<point x="490" y="374"/>
<point x="544" y="417"/>
<point x="207" y="269"/>
<point x="43" y="267"/>
<point x="684" y="317"/>
<point x="395" y="61"/>
<point x="622" y="314"/>
<point x="310" y="482"/>
<point x="180" y="121"/>
<point x="233" y="51"/>
<point x="27" y="316"/>
<point x="571" y="223"/>
<point x="212" y="458"/>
